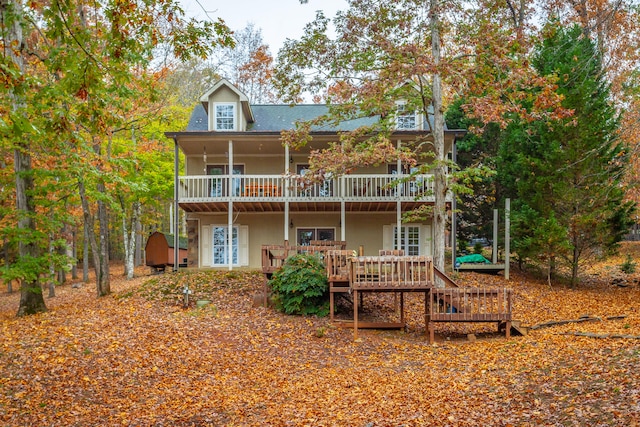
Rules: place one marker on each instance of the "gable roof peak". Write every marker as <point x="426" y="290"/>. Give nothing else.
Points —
<point x="244" y="100"/>
<point x="220" y="83"/>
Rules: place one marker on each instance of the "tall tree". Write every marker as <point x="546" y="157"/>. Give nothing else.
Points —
<point x="31" y="299"/>
<point x="67" y="79"/>
<point x="567" y="173"/>
<point x="409" y="50"/>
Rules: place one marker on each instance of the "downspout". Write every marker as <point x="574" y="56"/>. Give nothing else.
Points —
<point x="176" y="237"/>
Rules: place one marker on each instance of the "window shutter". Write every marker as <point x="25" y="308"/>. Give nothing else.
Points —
<point x="243" y="245"/>
<point x="427" y="242"/>
<point x="387" y="237"/>
<point x="205" y="246"/>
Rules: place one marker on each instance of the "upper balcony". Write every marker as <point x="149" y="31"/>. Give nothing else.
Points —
<point x="270" y="193"/>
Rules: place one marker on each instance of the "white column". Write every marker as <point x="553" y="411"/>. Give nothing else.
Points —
<point x="176" y="194"/>
<point x="398" y="202"/>
<point x="507" y="237"/>
<point x="230" y="212"/>
<point x="494" y="255"/>
<point x="287" y="170"/>
<point x="343" y="219"/>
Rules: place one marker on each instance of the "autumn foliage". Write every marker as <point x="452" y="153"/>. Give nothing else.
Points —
<point x="139" y="358"/>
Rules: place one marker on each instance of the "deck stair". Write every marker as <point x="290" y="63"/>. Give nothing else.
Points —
<point x="450" y="303"/>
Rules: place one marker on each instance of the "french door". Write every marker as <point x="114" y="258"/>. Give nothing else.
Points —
<point x="220" y="246"/>
<point x="217" y="187"/>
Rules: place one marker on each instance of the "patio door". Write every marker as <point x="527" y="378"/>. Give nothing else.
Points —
<point x="215" y="245"/>
<point x="217" y="186"/>
<point x="220" y="246"/>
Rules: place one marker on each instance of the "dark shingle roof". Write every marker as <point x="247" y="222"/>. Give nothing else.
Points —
<point x="198" y="121"/>
<point x="279" y="117"/>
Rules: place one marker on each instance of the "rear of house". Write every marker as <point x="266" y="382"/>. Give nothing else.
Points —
<point x="241" y="188"/>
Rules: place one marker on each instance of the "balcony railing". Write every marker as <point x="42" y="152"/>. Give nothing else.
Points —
<point x="207" y="188"/>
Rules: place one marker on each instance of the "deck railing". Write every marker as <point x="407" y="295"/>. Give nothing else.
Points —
<point x="469" y="305"/>
<point x="274" y="256"/>
<point x="372" y="187"/>
<point x="391" y="273"/>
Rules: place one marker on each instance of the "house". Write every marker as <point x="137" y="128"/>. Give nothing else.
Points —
<point x="240" y="188"/>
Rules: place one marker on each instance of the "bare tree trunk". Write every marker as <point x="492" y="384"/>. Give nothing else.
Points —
<point x="129" y="237"/>
<point x="31" y="298"/>
<point x="102" y="280"/>
<point x="440" y="184"/>
<point x="85" y="251"/>
<point x="138" y="256"/>
<point x="90" y="235"/>
<point x="52" y="269"/>
<point x="74" y="254"/>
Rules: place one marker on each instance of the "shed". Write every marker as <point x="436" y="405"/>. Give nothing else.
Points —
<point x="159" y="251"/>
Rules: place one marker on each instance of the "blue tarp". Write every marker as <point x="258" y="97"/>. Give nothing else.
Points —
<point x="472" y="259"/>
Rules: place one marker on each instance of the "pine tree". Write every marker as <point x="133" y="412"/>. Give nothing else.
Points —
<point x="567" y="173"/>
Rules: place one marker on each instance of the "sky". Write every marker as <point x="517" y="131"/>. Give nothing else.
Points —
<point x="278" y="19"/>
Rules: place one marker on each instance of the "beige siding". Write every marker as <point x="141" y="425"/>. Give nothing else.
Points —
<point x="371" y="231"/>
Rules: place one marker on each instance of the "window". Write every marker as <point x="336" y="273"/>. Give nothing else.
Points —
<point x="225" y="116"/>
<point x="306" y="235"/>
<point x="409" y="239"/>
<point x="405" y="119"/>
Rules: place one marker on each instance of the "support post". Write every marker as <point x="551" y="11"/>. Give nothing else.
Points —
<point x="230" y="212"/>
<point x="494" y="255"/>
<point x="454" y="208"/>
<point x="176" y="193"/>
<point x="287" y="174"/>
<point x="343" y="216"/>
<point x="507" y="236"/>
<point x="355" y="314"/>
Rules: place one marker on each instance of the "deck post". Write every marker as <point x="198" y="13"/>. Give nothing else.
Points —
<point x="507" y="237"/>
<point x="355" y="314"/>
<point x="330" y="304"/>
<point x="426" y="312"/>
<point x="401" y="306"/>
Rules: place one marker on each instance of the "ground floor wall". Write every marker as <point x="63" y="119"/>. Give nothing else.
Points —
<point x="366" y="231"/>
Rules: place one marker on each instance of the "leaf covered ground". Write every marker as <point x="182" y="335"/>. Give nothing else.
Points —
<point x="138" y="358"/>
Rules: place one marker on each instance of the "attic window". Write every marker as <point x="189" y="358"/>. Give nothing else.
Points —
<point x="225" y="116"/>
<point x="405" y="119"/>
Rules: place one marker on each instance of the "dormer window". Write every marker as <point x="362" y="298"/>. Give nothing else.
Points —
<point x="224" y="116"/>
<point x="406" y="119"/>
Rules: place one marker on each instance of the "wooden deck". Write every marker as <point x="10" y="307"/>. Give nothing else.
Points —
<point x="397" y="273"/>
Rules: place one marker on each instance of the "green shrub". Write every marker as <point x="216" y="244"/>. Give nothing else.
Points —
<point x="462" y="246"/>
<point x="300" y="286"/>
<point x="477" y="248"/>
<point x="628" y="266"/>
